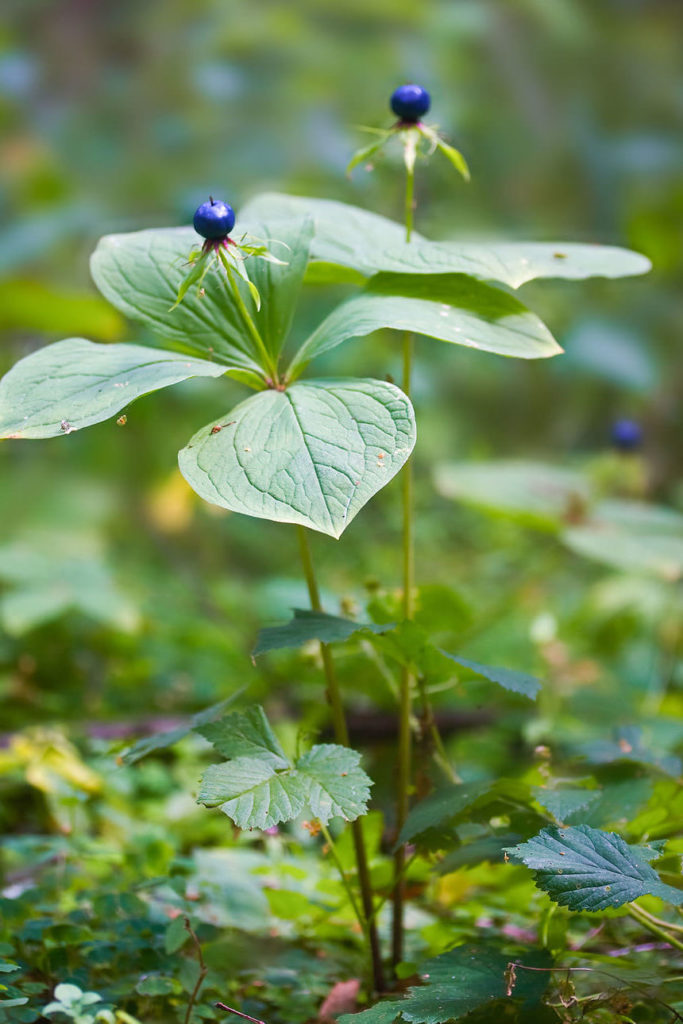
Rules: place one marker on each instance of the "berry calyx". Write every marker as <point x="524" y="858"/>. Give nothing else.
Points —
<point x="214" y="220"/>
<point x="627" y="435"/>
<point x="410" y="102"/>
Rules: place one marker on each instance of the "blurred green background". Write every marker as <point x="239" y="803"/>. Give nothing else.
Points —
<point x="125" y="597"/>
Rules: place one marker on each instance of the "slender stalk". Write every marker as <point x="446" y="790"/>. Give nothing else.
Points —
<point x="669" y="925"/>
<point x="345" y="879"/>
<point x="247" y="318"/>
<point x="341" y="733"/>
<point x="203" y="970"/>
<point x="410" y="199"/>
<point x="440" y="755"/>
<point x="643" y="918"/>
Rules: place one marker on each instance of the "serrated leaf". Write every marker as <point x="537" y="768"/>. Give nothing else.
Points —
<point x="308" y="625"/>
<point x="509" y="679"/>
<point x="351" y="237"/>
<point x="313" y="454"/>
<point x="162" y="740"/>
<point x="252" y="794"/>
<point x="588" y="870"/>
<point x="245" y="734"/>
<point x="338" y="786"/>
<point x="452" y="308"/>
<point x="75" y="383"/>
<point x="564" y="803"/>
<point x="458" y="982"/>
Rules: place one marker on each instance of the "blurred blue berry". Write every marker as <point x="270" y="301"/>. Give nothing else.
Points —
<point x="214" y="220"/>
<point x="627" y="435"/>
<point x="410" y="102"/>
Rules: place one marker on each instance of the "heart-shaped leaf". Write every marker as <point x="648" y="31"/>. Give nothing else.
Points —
<point x="76" y="383"/>
<point x="313" y="454"/>
<point x="452" y="308"/>
<point x="349" y="237"/>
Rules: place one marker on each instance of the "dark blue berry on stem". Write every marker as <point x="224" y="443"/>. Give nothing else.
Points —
<point x="214" y="220"/>
<point x="627" y="435"/>
<point x="410" y="102"/>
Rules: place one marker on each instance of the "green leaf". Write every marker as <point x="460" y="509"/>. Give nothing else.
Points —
<point x="337" y="785"/>
<point x="361" y="155"/>
<point x="175" y="936"/>
<point x="308" y="625"/>
<point x="313" y="454"/>
<point x="509" y="679"/>
<point x="75" y="383"/>
<point x="452" y="308"/>
<point x="252" y="794"/>
<point x="162" y="740"/>
<point x="141" y="273"/>
<point x="349" y="236"/>
<point x="632" y="536"/>
<point x="455" y="157"/>
<point x="442" y="807"/>
<point x="158" y="985"/>
<point x="458" y="982"/>
<point x="532" y="493"/>
<point x="585" y="869"/>
<point x="563" y="803"/>
<point x="245" y="734"/>
<point x="486" y="848"/>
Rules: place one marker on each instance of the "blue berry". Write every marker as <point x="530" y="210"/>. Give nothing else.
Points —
<point x="410" y="102"/>
<point x="214" y="220"/>
<point x="627" y="435"/>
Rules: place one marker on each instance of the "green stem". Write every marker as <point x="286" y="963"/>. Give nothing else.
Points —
<point x="269" y="363"/>
<point x="642" y="917"/>
<point x="344" y="877"/>
<point x="440" y="753"/>
<point x="341" y="733"/>
<point x="669" y="925"/>
<point x="404" y="773"/>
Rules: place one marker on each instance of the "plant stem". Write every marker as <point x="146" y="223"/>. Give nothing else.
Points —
<point x="638" y="914"/>
<point x="440" y="755"/>
<point x="403" y="781"/>
<point x="341" y="733"/>
<point x="669" y="925"/>
<point x="344" y="877"/>
<point x="269" y="362"/>
<point x="406" y="686"/>
<point x="203" y="970"/>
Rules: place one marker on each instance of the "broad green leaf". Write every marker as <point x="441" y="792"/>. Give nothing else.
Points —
<point x="619" y="802"/>
<point x="532" y="493"/>
<point x="509" y="679"/>
<point x="308" y="625"/>
<point x="141" y="273"/>
<point x="313" y="454"/>
<point x="452" y="308"/>
<point x="245" y="734"/>
<point x="337" y="785"/>
<point x="632" y="536"/>
<point x="585" y="869"/>
<point x="175" y="936"/>
<point x="252" y="793"/>
<point x="630" y="744"/>
<point x="457" y="983"/>
<point x="563" y="803"/>
<point x="75" y="383"/>
<point x="442" y="807"/>
<point x="163" y="740"/>
<point x="352" y="237"/>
